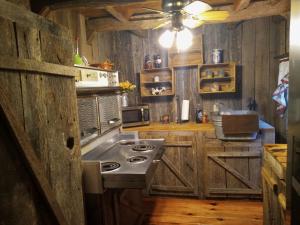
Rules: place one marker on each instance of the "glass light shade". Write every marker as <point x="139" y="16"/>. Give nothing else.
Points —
<point x="184" y="39"/>
<point x="197" y="7"/>
<point x="166" y="39"/>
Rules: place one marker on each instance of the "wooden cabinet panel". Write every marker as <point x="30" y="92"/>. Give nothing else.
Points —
<point x="177" y="172"/>
<point x="233" y="170"/>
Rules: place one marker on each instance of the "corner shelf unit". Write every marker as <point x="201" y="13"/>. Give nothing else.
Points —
<point x="166" y="80"/>
<point x="217" y="78"/>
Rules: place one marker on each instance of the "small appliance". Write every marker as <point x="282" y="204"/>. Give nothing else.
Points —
<point x="136" y="116"/>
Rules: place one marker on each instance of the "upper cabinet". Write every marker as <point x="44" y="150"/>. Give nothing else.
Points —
<point x="191" y="56"/>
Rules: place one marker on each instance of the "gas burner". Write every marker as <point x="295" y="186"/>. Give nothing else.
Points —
<point x="127" y="142"/>
<point x="109" y="166"/>
<point x="143" y="147"/>
<point x="137" y="159"/>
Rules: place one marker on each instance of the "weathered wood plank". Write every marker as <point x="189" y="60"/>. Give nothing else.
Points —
<point x="26" y="18"/>
<point x="29" y="65"/>
<point x="32" y="161"/>
<point x="234" y="173"/>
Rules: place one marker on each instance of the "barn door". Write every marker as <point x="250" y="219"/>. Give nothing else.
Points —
<point x="233" y="171"/>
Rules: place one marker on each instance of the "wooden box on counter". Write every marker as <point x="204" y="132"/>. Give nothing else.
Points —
<point x="274" y="184"/>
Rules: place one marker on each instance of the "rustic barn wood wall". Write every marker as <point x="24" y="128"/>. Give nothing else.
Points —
<point x="45" y="106"/>
<point x="251" y="44"/>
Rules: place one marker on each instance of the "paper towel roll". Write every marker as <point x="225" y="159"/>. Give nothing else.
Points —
<point x="185" y="110"/>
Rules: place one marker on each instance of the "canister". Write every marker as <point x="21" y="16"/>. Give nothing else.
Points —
<point x="217" y="55"/>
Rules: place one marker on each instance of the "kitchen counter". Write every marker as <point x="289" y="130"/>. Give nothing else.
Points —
<point x="190" y="126"/>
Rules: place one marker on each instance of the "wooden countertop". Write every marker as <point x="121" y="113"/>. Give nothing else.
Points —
<point x="276" y="156"/>
<point x="190" y="126"/>
<point x="174" y="127"/>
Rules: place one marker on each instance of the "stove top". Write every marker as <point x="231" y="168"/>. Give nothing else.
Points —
<point x="127" y="163"/>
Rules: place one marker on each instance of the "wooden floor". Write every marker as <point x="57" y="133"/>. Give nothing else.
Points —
<point x="176" y="211"/>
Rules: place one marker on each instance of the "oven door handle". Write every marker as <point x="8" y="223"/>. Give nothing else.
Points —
<point x="113" y="121"/>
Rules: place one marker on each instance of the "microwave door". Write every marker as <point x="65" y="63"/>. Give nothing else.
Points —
<point x="132" y="116"/>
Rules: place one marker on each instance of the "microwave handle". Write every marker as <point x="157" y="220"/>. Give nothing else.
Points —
<point x="142" y="112"/>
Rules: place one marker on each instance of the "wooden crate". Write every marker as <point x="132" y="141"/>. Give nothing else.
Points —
<point x="274" y="184"/>
<point x="166" y="79"/>
<point x="226" y="83"/>
<point x="192" y="56"/>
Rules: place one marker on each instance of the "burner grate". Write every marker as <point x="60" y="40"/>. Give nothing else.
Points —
<point x="137" y="159"/>
<point x="143" y="147"/>
<point x="109" y="166"/>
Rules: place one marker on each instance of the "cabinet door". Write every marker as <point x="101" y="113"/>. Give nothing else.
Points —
<point x="233" y="168"/>
<point x="177" y="172"/>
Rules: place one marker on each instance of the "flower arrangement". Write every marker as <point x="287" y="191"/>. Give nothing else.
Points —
<point x="126" y="86"/>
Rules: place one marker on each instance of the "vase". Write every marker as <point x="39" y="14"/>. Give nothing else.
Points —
<point x="125" y="99"/>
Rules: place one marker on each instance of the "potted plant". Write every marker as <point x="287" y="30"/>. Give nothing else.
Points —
<point x="126" y="87"/>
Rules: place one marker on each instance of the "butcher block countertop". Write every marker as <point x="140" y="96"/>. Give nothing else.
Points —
<point x="190" y="126"/>
<point x="174" y="127"/>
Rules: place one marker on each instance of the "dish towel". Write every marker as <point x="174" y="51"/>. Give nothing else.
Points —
<point x="280" y="95"/>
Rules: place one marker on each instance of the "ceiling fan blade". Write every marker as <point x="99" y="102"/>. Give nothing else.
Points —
<point x="192" y="23"/>
<point x="213" y="15"/>
<point x="162" y="25"/>
<point x="196" y="8"/>
<point x="155" y="10"/>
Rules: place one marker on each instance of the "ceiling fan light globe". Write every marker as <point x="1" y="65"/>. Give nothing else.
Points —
<point x="197" y="7"/>
<point x="184" y="39"/>
<point x="166" y="39"/>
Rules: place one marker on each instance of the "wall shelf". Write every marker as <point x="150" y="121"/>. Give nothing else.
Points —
<point x="217" y="78"/>
<point x="166" y="80"/>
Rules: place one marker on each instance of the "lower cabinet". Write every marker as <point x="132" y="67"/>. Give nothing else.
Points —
<point x="115" y="207"/>
<point x="232" y="169"/>
<point x="177" y="172"/>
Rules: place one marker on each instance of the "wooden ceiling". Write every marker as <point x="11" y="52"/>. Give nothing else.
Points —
<point x="129" y="14"/>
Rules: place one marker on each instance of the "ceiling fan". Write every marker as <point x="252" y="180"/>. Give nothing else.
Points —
<point x="183" y="15"/>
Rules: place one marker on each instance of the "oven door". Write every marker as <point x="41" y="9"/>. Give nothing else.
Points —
<point x="88" y="117"/>
<point x="135" y="116"/>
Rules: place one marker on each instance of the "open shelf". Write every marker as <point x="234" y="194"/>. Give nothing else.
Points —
<point x="217" y="78"/>
<point x="165" y="79"/>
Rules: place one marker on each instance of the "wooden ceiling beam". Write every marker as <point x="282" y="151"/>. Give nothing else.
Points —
<point x="241" y="4"/>
<point x="120" y="13"/>
<point x="254" y="10"/>
<point x="110" y="24"/>
<point x="100" y="4"/>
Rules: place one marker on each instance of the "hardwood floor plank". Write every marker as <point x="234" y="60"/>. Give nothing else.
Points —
<point x="177" y="211"/>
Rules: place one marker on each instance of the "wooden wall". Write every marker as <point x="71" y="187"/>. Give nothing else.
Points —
<point x="251" y="44"/>
<point x="45" y="106"/>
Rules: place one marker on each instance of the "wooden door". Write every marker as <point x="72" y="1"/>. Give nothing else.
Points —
<point x="177" y="172"/>
<point x="233" y="168"/>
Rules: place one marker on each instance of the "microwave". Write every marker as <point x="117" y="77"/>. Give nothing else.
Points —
<point x="134" y="116"/>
